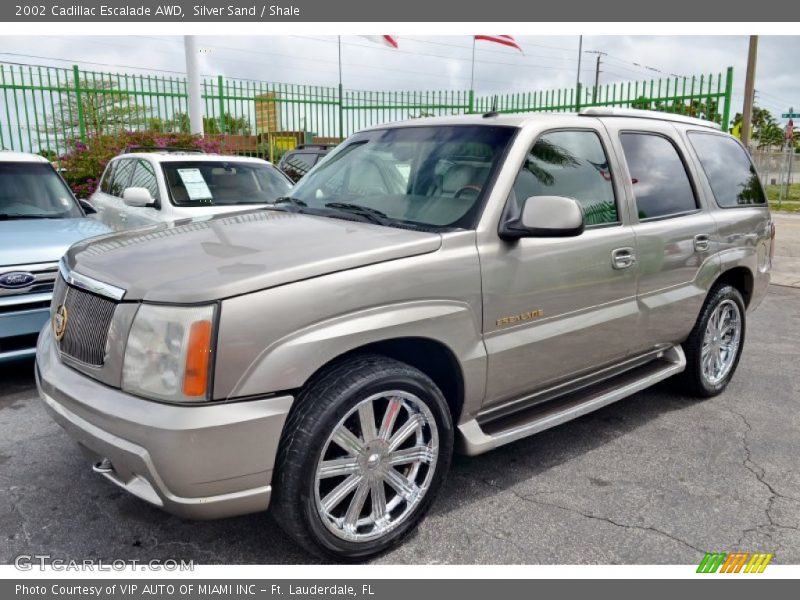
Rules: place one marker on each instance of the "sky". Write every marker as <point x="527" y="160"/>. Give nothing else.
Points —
<point x="436" y="62"/>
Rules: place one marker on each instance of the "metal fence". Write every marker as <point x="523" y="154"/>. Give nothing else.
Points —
<point x="46" y="109"/>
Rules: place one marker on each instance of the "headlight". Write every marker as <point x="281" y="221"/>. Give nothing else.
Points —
<point x="168" y="356"/>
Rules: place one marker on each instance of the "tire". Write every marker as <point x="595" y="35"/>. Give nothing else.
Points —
<point x="303" y="501"/>
<point x="705" y="382"/>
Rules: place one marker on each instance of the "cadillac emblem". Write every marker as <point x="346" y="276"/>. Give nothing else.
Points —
<point x="60" y="322"/>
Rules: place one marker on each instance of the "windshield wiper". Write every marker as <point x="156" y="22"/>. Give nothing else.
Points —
<point x="9" y="216"/>
<point x="356" y="208"/>
<point x="295" y="202"/>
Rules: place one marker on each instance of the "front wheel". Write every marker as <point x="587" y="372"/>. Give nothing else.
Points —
<point x="714" y="346"/>
<point x="363" y="453"/>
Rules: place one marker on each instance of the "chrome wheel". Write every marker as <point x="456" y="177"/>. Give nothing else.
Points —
<point x="721" y="342"/>
<point x="372" y="473"/>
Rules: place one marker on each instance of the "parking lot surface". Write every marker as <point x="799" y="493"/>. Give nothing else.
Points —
<point x="654" y="479"/>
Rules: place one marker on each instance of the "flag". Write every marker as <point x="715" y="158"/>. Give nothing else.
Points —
<point x="506" y="40"/>
<point x="386" y="40"/>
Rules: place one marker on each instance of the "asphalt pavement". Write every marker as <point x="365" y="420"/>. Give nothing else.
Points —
<point x="656" y="478"/>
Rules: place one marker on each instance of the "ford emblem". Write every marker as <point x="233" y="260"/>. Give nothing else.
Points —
<point x="16" y="279"/>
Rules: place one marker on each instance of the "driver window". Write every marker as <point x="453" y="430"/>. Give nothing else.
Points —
<point x="571" y="164"/>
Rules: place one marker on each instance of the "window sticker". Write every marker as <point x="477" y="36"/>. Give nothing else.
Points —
<point x="196" y="186"/>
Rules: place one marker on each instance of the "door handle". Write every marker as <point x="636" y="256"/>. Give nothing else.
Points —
<point x="622" y="258"/>
<point x="123" y="216"/>
<point x="701" y="242"/>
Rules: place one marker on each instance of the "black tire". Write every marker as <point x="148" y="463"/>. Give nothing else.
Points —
<point x="692" y="381"/>
<point x="319" y="407"/>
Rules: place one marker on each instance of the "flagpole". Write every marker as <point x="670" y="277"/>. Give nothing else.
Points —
<point x="341" y="99"/>
<point x="578" y="79"/>
<point x="472" y="77"/>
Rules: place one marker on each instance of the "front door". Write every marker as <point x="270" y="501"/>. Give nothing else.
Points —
<point x="558" y="308"/>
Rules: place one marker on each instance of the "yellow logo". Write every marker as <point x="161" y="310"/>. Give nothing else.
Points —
<point x="60" y="322"/>
<point x="526" y="316"/>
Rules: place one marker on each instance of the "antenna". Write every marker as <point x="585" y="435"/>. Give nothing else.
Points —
<point x="493" y="112"/>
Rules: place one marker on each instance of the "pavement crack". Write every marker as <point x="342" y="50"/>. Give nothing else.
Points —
<point x="649" y="528"/>
<point x="759" y="473"/>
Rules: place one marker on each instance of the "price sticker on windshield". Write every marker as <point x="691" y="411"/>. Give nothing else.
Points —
<point x="196" y="186"/>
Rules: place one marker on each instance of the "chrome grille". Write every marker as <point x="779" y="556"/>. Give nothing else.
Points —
<point x="88" y="321"/>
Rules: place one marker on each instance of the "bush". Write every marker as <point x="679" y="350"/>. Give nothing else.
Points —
<point x="84" y="164"/>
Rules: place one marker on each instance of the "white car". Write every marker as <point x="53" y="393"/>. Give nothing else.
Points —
<point x="144" y="187"/>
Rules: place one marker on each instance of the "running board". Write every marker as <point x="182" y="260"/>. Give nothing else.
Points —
<point x="479" y="436"/>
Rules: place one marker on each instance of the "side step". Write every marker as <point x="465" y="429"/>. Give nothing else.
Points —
<point x="481" y="436"/>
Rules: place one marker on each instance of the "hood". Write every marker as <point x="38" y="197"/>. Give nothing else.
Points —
<point x="196" y="260"/>
<point x="29" y="241"/>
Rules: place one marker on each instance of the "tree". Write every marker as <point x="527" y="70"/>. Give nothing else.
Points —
<point x="106" y="109"/>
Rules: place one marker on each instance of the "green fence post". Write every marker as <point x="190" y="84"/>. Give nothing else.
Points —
<point x="578" y="97"/>
<point x="471" y="107"/>
<point x="341" y="113"/>
<point x="76" y="74"/>
<point x="726" y="110"/>
<point x="221" y="99"/>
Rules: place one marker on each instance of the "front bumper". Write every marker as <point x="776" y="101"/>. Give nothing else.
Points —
<point x="200" y="462"/>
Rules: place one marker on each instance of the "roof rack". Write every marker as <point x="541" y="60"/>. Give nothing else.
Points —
<point x="604" y="111"/>
<point x="314" y="146"/>
<point x="161" y="149"/>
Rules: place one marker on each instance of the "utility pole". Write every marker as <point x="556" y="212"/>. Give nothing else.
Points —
<point x="193" y="85"/>
<point x="749" y="90"/>
<point x="596" y="72"/>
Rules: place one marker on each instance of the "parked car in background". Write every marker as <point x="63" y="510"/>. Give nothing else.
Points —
<point x="449" y="283"/>
<point x="299" y="160"/>
<point x="39" y="219"/>
<point x="147" y="186"/>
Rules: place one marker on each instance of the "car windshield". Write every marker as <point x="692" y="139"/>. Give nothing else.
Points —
<point x="218" y="183"/>
<point x="31" y="190"/>
<point x="433" y="177"/>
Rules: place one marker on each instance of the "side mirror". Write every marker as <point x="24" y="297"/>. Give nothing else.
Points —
<point x="137" y="196"/>
<point x="545" y="216"/>
<point x="87" y="206"/>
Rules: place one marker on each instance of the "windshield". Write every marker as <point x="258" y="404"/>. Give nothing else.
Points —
<point x="34" y="191"/>
<point x="421" y="176"/>
<point x="206" y="183"/>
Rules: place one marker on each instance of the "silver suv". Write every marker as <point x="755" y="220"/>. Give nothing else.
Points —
<point x="454" y="283"/>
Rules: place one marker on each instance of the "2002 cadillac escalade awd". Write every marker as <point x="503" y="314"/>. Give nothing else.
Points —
<point x="453" y="282"/>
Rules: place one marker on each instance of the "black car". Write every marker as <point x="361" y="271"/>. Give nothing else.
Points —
<point x="299" y="160"/>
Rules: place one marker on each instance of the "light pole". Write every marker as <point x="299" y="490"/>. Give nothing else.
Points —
<point x="193" y="85"/>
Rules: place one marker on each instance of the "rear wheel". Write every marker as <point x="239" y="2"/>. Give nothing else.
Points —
<point x="715" y="344"/>
<point x="363" y="454"/>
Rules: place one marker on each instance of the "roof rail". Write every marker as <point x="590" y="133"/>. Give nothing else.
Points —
<point x="314" y="146"/>
<point x="162" y="149"/>
<point x="604" y="111"/>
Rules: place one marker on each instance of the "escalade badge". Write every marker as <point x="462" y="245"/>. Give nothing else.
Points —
<point x="60" y="322"/>
<point x="16" y="279"/>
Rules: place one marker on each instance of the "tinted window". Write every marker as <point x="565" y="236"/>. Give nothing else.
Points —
<point x="105" y="184"/>
<point x="34" y="190"/>
<point x="144" y="176"/>
<point x="660" y="182"/>
<point x="732" y="176"/>
<point x="571" y="164"/>
<point x="122" y="177"/>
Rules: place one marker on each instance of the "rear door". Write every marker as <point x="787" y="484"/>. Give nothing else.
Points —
<point x="675" y="233"/>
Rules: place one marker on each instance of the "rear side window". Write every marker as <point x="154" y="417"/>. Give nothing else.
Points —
<point x="571" y="164"/>
<point x="661" y="184"/>
<point x="105" y="184"/>
<point x="727" y="166"/>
